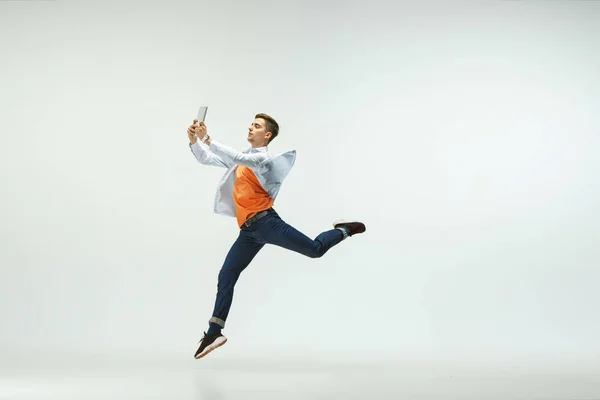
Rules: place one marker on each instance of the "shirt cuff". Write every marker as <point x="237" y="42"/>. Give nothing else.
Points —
<point x="197" y="145"/>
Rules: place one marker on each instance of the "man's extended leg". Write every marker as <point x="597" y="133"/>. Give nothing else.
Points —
<point x="278" y="232"/>
<point x="239" y="257"/>
<point x="243" y="251"/>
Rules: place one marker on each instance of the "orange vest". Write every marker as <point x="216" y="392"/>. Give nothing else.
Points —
<point x="248" y="195"/>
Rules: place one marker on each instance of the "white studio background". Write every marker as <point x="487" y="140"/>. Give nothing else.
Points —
<point x="464" y="134"/>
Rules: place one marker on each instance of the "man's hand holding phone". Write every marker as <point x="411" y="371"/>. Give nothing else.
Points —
<point x="200" y="130"/>
<point x="192" y="132"/>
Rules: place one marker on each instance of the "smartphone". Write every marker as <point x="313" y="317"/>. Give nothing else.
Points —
<point x="202" y="113"/>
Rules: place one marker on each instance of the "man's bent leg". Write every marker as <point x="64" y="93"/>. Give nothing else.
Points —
<point x="276" y="231"/>
<point x="239" y="257"/>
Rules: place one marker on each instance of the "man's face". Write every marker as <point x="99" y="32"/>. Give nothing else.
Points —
<point x="257" y="132"/>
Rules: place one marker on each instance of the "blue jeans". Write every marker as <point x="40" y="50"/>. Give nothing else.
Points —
<point x="270" y="229"/>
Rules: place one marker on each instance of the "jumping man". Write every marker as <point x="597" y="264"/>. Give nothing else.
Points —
<point x="247" y="192"/>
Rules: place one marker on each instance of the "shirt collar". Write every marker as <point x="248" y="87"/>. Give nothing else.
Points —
<point x="257" y="150"/>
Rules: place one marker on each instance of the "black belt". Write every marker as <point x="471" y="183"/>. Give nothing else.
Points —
<point x="258" y="216"/>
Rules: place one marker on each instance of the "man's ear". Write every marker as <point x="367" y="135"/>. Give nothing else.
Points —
<point x="268" y="135"/>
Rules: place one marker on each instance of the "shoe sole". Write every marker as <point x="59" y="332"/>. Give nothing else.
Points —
<point x="215" y="345"/>
<point x="341" y="221"/>
<point x="345" y="221"/>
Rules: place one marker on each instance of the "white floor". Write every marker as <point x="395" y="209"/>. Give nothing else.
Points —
<point x="221" y="377"/>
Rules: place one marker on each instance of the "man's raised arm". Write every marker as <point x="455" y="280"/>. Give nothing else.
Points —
<point x="251" y="160"/>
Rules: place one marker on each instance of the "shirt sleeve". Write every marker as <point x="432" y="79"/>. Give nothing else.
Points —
<point x="251" y="160"/>
<point x="206" y="157"/>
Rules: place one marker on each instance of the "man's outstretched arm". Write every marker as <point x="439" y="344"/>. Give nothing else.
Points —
<point x="202" y="152"/>
<point x="251" y="160"/>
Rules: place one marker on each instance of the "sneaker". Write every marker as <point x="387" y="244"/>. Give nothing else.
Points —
<point x="209" y="343"/>
<point x="353" y="227"/>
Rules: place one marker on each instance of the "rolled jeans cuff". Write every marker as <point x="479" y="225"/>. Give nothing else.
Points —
<point x="217" y="321"/>
<point x="345" y="231"/>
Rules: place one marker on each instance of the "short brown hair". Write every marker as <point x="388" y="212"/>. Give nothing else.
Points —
<point x="272" y="125"/>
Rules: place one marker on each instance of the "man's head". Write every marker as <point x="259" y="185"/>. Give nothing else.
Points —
<point x="263" y="130"/>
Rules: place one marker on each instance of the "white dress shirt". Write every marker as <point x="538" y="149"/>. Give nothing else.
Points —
<point x="270" y="170"/>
